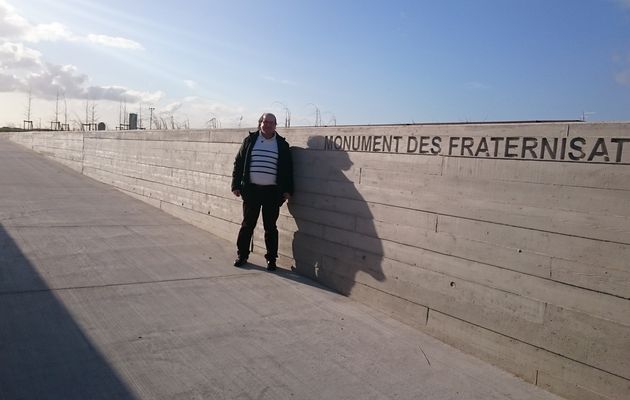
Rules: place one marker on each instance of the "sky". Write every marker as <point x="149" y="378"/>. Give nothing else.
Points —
<point x="210" y="64"/>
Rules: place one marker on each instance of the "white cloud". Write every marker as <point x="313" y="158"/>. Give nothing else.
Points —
<point x="144" y="97"/>
<point x="51" y="79"/>
<point x="15" y="27"/>
<point x="16" y="56"/>
<point x="120" y="93"/>
<point x="171" y="108"/>
<point x="11" y="83"/>
<point x="111" y="41"/>
<point x="197" y="111"/>
<point x="49" y="33"/>
<point x="23" y="68"/>
<point x="11" y="23"/>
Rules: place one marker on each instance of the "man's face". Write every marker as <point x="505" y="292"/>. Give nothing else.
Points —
<point x="268" y="124"/>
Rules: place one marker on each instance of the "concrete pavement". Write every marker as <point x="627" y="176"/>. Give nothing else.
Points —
<point x="105" y="297"/>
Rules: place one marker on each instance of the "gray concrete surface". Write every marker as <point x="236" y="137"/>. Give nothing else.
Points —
<point x="105" y="297"/>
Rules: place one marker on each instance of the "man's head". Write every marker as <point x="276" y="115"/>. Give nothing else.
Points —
<point x="267" y="123"/>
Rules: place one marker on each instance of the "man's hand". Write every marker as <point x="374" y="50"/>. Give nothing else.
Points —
<point x="286" y="196"/>
<point x="237" y="193"/>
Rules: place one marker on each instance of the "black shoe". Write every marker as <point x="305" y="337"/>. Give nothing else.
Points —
<point x="271" y="265"/>
<point x="239" y="262"/>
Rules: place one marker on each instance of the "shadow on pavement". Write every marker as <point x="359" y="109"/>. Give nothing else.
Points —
<point x="290" y="274"/>
<point x="44" y="354"/>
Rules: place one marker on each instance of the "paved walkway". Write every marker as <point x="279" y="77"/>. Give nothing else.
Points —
<point x="105" y="297"/>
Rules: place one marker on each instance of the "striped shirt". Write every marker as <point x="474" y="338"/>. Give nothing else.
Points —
<point x="264" y="163"/>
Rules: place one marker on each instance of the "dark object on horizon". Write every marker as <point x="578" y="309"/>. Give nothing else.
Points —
<point x="133" y="121"/>
<point x="101" y="126"/>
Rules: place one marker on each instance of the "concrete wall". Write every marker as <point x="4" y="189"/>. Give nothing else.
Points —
<point x="509" y="241"/>
<point x="65" y="147"/>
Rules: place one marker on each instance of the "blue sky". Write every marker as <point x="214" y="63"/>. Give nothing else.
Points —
<point x="366" y="62"/>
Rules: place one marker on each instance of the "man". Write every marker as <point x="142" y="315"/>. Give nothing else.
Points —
<point x="263" y="178"/>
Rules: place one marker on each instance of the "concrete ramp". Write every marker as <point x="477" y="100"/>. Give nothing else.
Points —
<point x="105" y="297"/>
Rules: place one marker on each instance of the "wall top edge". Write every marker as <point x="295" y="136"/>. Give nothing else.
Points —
<point x="232" y="135"/>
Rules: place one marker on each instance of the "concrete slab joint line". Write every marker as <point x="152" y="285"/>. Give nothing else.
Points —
<point x="523" y="264"/>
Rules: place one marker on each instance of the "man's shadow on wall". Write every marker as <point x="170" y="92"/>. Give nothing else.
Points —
<point x="335" y="242"/>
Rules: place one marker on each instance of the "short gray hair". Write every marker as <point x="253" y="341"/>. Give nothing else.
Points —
<point x="260" y="120"/>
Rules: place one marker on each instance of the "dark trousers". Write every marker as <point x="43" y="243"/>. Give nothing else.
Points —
<point x="269" y="199"/>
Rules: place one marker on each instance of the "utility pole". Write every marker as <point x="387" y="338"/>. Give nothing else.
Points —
<point x="93" y="115"/>
<point x="28" y="123"/>
<point x="55" y="124"/>
<point x="214" y="122"/>
<point x="151" y="117"/>
<point x="318" y="115"/>
<point x="87" y="109"/>
<point x="122" y="115"/>
<point x="287" y="114"/>
<point x="66" y="127"/>
<point x="28" y="113"/>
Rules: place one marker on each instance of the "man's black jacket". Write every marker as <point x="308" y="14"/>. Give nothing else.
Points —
<point x="284" y="175"/>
